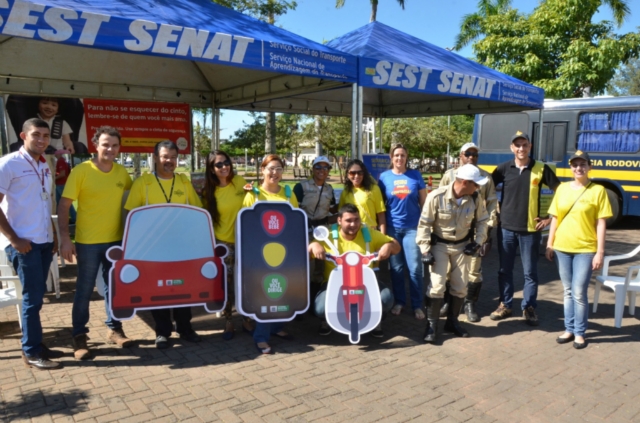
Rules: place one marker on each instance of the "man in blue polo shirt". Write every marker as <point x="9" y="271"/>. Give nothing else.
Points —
<point x="520" y="224"/>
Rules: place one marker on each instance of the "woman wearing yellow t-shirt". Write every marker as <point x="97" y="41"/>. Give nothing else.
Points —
<point x="360" y="189"/>
<point x="270" y="190"/>
<point x="222" y="196"/>
<point x="577" y="235"/>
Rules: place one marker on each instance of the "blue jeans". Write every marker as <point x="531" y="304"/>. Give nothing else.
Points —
<point x="72" y="210"/>
<point x="508" y="242"/>
<point x="385" y="295"/>
<point x="410" y="257"/>
<point x="33" y="269"/>
<point x="89" y="257"/>
<point x="575" y="273"/>
<point x="263" y="331"/>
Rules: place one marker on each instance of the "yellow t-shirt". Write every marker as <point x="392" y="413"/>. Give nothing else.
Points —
<point x="576" y="231"/>
<point x="147" y="186"/>
<point x="229" y="201"/>
<point x="99" y="195"/>
<point x="378" y="239"/>
<point x="369" y="203"/>
<point x="250" y="197"/>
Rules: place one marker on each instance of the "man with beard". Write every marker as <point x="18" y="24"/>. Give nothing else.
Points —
<point x="351" y="238"/>
<point x="165" y="186"/>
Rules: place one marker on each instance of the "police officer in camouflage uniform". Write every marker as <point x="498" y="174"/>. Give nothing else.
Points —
<point x="469" y="155"/>
<point x="446" y="240"/>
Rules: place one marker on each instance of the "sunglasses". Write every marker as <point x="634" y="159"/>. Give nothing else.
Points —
<point x="469" y="154"/>
<point x="321" y="167"/>
<point x="356" y="173"/>
<point x="220" y="165"/>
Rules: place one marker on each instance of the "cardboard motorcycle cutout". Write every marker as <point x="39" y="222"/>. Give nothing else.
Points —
<point x="352" y="304"/>
<point x="168" y="259"/>
<point x="272" y="263"/>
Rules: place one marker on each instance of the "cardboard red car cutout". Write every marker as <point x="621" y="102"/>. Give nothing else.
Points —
<point x="168" y="259"/>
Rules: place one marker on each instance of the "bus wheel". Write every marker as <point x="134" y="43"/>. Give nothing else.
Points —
<point x="615" y="207"/>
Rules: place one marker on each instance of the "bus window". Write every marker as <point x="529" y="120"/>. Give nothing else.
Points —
<point x="497" y="130"/>
<point x="609" y="132"/>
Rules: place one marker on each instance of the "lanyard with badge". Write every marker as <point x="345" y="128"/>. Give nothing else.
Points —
<point x="163" y="192"/>
<point x="44" y="194"/>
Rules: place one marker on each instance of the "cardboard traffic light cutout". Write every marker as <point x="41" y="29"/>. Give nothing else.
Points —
<point x="353" y="305"/>
<point x="168" y="259"/>
<point x="272" y="275"/>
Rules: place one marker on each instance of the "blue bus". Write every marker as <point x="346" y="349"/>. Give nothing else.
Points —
<point x="608" y="128"/>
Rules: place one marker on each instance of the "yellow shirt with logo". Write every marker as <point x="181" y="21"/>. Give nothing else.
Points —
<point x="378" y="239"/>
<point x="229" y="201"/>
<point x="250" y="197"/>
<point x="99" y="195"/>
<point x="576" y="230"/>
<point x="147" y="187"/>
<point x="369" y="203"/>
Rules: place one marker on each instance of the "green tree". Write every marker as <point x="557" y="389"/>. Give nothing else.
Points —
<point x="251" y="137"/>
<point x="334" y="134"/>
<point x="558" y="47"/>
<point x="471" y="24"/>
<point x="289" y="135"/>
<point x="627" y="80"/>
<point x="374" y="7"/>
<point x="260" y="9"/>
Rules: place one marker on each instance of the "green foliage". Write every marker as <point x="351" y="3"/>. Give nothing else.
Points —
<point x="265" y="10"/>
<point x="251" y="137"/>
<point x="627" y="80"/>
<point x="289" y="136"/>
<point x="558" y="47"/>
<point x="374" y="7"/>
<point x="471" y="24"/>
<point x="427" y="137"/>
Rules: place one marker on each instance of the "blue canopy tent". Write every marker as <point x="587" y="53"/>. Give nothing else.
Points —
<point x="191" y="51"/>
<point x="402" y="76"/>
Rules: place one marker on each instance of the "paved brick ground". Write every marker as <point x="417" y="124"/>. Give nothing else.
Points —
<point x="507" y="371"/>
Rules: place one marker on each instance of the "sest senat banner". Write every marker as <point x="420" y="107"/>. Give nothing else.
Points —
<point x="74" y="121"/>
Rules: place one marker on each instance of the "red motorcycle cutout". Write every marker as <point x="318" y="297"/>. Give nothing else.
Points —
<point x="352" y="305"/>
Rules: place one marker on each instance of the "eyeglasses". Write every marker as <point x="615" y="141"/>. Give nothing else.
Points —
<point x="469" y="154"/>
<point x="220" y="165"/>
<point x="274" y="169"/>
<point x="321" y="168"/>
<point x="356" y="173"/>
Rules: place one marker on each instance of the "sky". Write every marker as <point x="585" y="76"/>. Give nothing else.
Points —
<point x="435" y="21"/>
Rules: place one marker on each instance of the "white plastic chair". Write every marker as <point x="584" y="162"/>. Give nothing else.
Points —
<point x="12" y="295"/>
<point x="622" y="286"/>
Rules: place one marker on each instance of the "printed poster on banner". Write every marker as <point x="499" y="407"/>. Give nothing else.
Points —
<point x="376" y="164"/>
<point x="168" y="258"/>
<point x="73" y="122"/>
<point x="272" y="263"/>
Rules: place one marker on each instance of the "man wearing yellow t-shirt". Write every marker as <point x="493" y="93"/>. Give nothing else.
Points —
<point x="350" y="238"/>
<point x="99" y="186"/>
<point x="165" y="186"/>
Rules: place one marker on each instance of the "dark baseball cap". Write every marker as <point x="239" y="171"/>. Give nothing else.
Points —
<point x="520" y="134"/>
<point x="580" y="155"/>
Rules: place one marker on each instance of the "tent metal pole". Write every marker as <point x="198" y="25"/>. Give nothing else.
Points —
<point x="354" y="119"/>
<point x="360" y="122"/>
<point x="380" y="135"/>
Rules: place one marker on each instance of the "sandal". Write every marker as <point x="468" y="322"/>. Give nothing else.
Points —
<point x="419" y="314"/>
<point x="266" y="351"/>
<point x="229" y="331"/>
<point x="247" y="326"/>
<point x="397" y="310"/>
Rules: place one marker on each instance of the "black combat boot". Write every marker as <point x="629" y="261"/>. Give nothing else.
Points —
<point x="444" y="310"/>
<point x="473" y="292"/>
<point x="452" y="324"/>
<point x="433" y="315"/>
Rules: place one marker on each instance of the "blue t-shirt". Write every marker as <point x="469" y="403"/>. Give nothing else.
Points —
<point x="401" y="197"/>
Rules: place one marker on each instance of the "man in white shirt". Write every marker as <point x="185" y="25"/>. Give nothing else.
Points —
<point x="27" y="234"/>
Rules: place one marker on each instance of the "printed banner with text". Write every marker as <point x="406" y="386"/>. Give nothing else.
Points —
<point x="141" y="124"/>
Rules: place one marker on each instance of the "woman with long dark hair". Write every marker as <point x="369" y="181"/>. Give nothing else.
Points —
<point x="222" y="196"/>
<point x="361" y="190"/>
